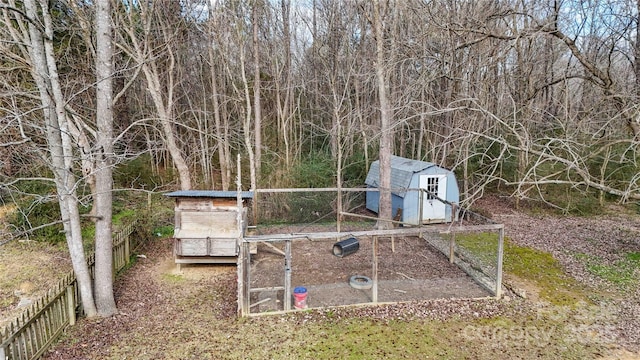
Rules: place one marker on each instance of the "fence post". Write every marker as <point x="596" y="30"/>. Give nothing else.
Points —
<point x="287" y="275"/>
<point x="71" y="304"/>
<point x="374" y="271"/>
<point x="127" y="246"/>
<point x="499" y="265"/>
<point x="3" y="356"/>
<point x="452" y="247"/>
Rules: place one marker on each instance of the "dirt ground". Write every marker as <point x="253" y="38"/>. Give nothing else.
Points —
<point x="408" y="269"/>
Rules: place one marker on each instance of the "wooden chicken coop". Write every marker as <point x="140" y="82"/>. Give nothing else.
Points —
<point x="209" y="225"/>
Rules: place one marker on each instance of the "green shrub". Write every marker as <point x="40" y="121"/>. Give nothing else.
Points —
<point x="314" y="171"/>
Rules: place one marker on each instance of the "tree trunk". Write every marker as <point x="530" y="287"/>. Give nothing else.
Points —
<point x="247" y="120"/>
<point x="103" y="155"/>
<point x="160" y="89"/>
<point x="285" y="110"/>
<point x="257" y="107"/>
<point x="221" y="138"/>
<point x="45" y="75"/>
<point x="386" y="137"/>
<point x="165" y="114"/>
<point x="634" y="121"/>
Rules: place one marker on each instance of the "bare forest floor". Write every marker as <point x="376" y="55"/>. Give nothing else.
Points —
<point x="169" y="315"/>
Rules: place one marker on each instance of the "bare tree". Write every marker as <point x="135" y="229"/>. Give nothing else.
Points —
<point x="157" y="58"/>
<point x="35" y="28"/>
<point x="386" y="116"/>
<point x="247" y="128"/>
<point x="104" y="157"/>
<point x="257" y="106"/>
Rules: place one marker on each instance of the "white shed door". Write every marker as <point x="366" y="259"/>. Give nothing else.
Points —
<point x="432" y="208"/>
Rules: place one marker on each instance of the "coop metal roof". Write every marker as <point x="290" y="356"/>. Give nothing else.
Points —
<point x="210" y="194"/>
<point x="402" y="170"/>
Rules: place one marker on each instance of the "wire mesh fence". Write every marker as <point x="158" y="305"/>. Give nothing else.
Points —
<point x="307" y="206"/>
<point x="296" y="266"/>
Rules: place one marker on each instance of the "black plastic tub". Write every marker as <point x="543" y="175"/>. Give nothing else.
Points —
<point x="346" y="247"/>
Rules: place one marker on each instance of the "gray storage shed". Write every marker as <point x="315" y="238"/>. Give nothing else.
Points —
<point x="209" y="225"/>
<point x="438" y="183"/>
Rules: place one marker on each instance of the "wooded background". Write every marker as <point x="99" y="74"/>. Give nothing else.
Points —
<point x="538" y="99"/>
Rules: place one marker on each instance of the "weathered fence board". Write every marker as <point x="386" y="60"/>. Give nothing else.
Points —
<point x="31" y="334"/>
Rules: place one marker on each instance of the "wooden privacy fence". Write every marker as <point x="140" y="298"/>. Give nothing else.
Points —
<point x="30" y="334"/>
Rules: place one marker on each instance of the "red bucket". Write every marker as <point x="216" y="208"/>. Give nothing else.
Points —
<point x="300" y="297"/>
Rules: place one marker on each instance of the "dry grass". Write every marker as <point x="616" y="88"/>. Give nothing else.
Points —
<point x="28" y="269"/>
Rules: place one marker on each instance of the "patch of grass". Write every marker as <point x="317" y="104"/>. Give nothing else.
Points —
<point x="367" y="339"/>
<point x="163" y="231"/>
<point x="621" y="273"/>
<point x="363" y="338"/>
<point x="173" y="278"/>
<point x="633" y="257"/>
<point x="124" y="217"/>
<point x="529" y="264"/>
<point x="353" y="338"/>
<point x="546" y="272"/>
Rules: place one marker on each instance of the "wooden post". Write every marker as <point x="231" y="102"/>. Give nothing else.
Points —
<point x="254" y="206"/>
<point x="374" y="288"/>
<point x="239" y="209"/>
<point x="499" y="266"/>
<point x="420" y="206"/>
<point x="244" y="255"/>
<point x="339" y="207"/>
<point x="240" y="276"/>
<point x="127" y="249"/>
<point x="452" y="247"/>
<point x="71" y="305"/>
<point x="240" y="284"/>
<point x="287" y="275"/>
<point x="244" y="279"/>
<point x="339" y="178"/>
<point x="247" y="276"/>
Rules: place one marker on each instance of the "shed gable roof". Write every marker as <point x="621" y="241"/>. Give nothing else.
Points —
<point x="402" y="170"/>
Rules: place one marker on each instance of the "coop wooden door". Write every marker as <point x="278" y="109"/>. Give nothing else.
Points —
<point x="432" y="208"/>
